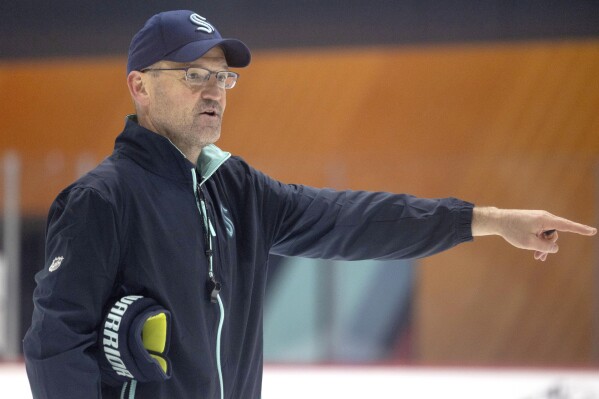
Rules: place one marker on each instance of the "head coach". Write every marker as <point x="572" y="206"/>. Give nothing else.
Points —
<point x="156" y="260"/>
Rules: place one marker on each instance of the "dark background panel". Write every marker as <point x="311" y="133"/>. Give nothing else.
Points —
<point x="37" y="28"/>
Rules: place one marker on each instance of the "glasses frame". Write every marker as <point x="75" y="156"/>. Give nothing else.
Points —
<point x="210" y="73"/>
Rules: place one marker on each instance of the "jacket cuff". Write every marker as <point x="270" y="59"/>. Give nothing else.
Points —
<point x="464" y="222"/>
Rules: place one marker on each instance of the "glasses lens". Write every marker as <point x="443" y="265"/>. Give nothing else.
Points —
<point x="197" y="76"/>
<point x="226" y="80"/>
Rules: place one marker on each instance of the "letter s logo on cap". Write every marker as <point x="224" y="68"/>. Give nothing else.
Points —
<point x="200" y="21"/>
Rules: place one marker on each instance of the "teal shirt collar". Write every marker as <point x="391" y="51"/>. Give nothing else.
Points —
<point x="211" y="158"/>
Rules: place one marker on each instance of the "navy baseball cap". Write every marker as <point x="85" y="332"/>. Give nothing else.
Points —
<point x="181" y="36"/>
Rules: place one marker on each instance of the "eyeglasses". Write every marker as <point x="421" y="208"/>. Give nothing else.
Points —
<point x="197" y="76"/>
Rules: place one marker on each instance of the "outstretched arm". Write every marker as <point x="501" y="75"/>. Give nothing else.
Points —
<point x="534" y="230"/>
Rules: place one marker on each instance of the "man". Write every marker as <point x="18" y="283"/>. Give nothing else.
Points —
<point x="156" y="260"/>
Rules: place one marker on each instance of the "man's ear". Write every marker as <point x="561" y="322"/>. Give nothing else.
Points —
<point x="137" y="87"/>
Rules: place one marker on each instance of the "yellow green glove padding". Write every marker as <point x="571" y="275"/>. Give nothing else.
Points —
<point x="154" y="337"/>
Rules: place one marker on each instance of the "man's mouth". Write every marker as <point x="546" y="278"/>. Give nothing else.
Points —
<point x="209" y="113"/>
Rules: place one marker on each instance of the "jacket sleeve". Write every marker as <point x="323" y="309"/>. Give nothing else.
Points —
<point x="355" y="225"/>
<point x="82" y="255"/>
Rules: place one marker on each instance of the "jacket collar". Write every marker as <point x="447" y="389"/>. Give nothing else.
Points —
<point x="159" y="155"/>
<point x="211" y="158"/>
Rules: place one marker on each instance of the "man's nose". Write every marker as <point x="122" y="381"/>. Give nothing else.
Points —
<point x="211" y="90"/>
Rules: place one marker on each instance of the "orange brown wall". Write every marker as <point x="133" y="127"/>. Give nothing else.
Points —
<point x="511" y="125"/>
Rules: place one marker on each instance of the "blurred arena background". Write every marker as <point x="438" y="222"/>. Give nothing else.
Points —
<point x="494" y="102"/>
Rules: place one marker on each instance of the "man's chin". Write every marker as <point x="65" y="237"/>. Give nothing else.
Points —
<point x="209" y="137"/>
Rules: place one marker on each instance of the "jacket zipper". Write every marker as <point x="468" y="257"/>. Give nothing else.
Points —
<point x="130" y="387"/>
<point x="214" y="286"/>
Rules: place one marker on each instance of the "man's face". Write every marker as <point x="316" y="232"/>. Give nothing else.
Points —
<point x="189" y="116"/>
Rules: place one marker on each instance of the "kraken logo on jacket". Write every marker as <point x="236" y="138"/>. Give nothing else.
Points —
<point x="228" y="223"/>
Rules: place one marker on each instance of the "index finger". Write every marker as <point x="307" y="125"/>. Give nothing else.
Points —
<point x="569" y="226"/>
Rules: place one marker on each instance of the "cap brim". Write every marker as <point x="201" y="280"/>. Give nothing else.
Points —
<point x="236" y="52"/>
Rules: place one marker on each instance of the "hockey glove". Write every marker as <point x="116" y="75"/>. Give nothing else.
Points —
<point x="134" y="341"/>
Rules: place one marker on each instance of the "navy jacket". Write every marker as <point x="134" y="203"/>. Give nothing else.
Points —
<point x="133" y="226"/>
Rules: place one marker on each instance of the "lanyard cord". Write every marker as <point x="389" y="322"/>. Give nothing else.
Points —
<point x="212" y="286"/>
